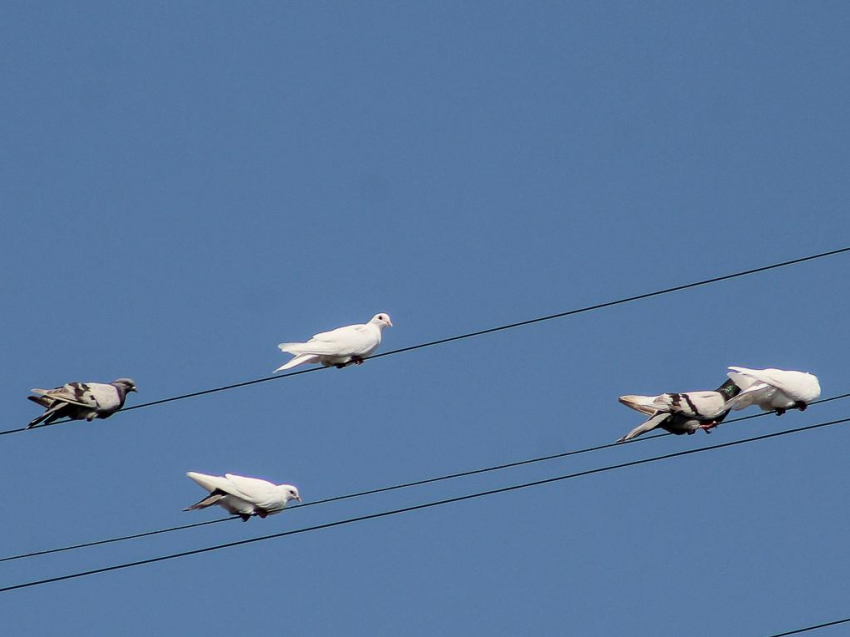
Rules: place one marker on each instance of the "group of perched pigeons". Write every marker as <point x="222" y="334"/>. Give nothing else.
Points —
<point x="679" y="413"/>
<point x="239" y="495"/>
<point x="771" y="389"/>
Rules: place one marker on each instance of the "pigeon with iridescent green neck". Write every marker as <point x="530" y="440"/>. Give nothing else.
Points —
<point x="681" y="413"/>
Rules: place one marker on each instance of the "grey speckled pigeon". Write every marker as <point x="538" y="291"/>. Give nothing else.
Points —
<point x="81" y="401"/>
<point x="349" y="344"/>
<point x="243" y="496"/>
<point x="774" y="389"/>
<point x="682" y="413"/>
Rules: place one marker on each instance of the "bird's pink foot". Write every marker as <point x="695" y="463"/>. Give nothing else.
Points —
<point x="708" y="426"/>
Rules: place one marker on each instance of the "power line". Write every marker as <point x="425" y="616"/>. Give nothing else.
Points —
<point x="180" y="397"/>
<point x="403" y="485"/>
<point x="628" y="299"/>
<point x="518" y="463"/>
<point x="490" y="330"/>
<point x="810" y="628"/>
<point x="123" y="538"/>
<point x="418" y="507"/>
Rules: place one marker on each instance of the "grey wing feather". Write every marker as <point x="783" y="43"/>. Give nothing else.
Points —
<point x="649" y="425"/>
<point x="210" y="500"/>
<point x="62" y="394"/>
<point x="43" y="401"/>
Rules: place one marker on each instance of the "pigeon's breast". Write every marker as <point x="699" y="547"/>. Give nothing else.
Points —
<point x="236" y="504"/>
<point x="104" y="397"/>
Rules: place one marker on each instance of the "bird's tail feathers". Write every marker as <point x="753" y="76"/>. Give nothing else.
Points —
<point x="208" y="501"/>
<point x="300" y="359"/>
<point x="643" y="404"/>
<point x="53" y="412"/>
<point x="291" y="348"/>
<point x="44" y="401"/>
<point x="210" y="483"/>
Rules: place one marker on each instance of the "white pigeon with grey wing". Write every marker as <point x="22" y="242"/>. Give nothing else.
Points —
<point x="81" y="401"/>
<point x="243" y="496"/>
<point x="774" y="389"/>
<point x="339" y="347"/>
<point x="681" y="413"/>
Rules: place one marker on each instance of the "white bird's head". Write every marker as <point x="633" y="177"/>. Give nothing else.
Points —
<point x="290" y="493"/>
<point x="382" y="320"/>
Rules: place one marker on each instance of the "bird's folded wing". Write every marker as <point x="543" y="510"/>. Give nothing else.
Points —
<point x="61" y="394"/>
<point x="778" y="378"/>
<point x="786" y="382"/>
<point x="316" y="348"/>
<point x="251" y="489"/>
<point x="340" y="333"/>
<point x="702" y="404"/>
<point x="343" y="341"/>
<point x="210" y="483"/>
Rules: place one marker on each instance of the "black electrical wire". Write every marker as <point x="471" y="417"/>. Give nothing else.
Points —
<point x="811" y="628"/>
<point x="123" y="538"/>
<point x="418" y="507"/>
<point x="518" y="463"/>
<point x="490" y="330"/>
<point x="403" y="485"/>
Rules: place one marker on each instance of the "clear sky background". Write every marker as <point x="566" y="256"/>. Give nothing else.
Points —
<point x="186" y="184"/>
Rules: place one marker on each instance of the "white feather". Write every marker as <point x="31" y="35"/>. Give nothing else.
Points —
<point x="773" y="389"/>
<point x="339" y="346"/>
<point x="244" y="496"/>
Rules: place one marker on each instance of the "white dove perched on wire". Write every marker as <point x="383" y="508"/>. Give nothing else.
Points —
<point x="682" y="413"/>
<point x="79" y="401"/>
<point x="243" y="496"/>
<point x="339" y="347"/>
<point x="774" y="389"/>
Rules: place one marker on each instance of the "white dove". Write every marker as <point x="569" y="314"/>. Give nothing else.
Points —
<point x="79" y="401"/>
<point x="774" y="389"/>
<point x="243" y="496"/>
<point x="339" y="347"/>
<point x="681" y="413"/>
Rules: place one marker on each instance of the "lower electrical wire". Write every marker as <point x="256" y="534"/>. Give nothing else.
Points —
<point x="419" y="507"/>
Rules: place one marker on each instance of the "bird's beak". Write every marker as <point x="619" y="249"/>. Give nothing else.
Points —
<point x="389" y="322"/>
<point x="298" y="497"/>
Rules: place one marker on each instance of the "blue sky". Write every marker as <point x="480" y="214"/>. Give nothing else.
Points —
<point x="185" y="185"/>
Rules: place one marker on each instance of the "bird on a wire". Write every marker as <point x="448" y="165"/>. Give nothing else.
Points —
<point x="339" y="347"/>
<point x="774" y="389"/>
<point x="243" y="496"/>
<point x="81" y="401"/>
<point x="682" y="413"/>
